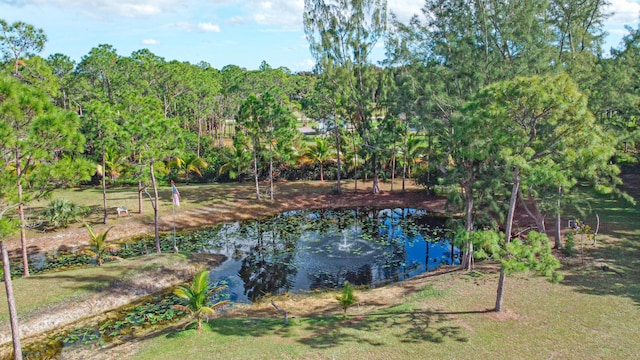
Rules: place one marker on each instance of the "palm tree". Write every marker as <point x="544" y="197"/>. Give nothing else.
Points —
<point x="237" y="162"/>
<point x="416" y="150"/>
<point x="61" y="212"/>
<point x="319" y="153"/>
<point x="197" y="296"/>
<point x="114" y="165"/>
<point x="98" y="246"/>
<point x="189" y="164"/>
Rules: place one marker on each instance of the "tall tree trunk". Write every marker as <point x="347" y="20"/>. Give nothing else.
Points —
<point x="558" y="237"/>
<point x="500" y="291"/>
<point x="467" y="260"/>
<point x="404" y="159"/>
<point x="140" y="189"/>
<point x="508" y="227"/>
<point x="11" y="302"/>
<point x="339" y="189"/>
<point x="64" y="99"/>
<point x="255" y="169"/>
<point x="23" y="227"/>
<point x="199" y="136"/>
<point x="558" y="232"/>
<point x="270" y="170"/>
<point x="156" y="226"/>
<point x="321" y="171"/>
<point x="393" y="167"/>
<point x="355" y="167"/>
<point x="376" y="186"/>
<point x="104" y="183"/>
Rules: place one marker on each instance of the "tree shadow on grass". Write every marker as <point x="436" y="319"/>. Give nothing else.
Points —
<point x="611" y="268"/>
<point x="330" y="331"/>
<point x="254" y="327"/>
<point x="407" y="326"/>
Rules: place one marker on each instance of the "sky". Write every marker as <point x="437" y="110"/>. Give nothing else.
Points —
<point x="219" y="32"/>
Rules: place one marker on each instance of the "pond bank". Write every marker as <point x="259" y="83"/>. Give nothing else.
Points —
<point x="118" y="284"/>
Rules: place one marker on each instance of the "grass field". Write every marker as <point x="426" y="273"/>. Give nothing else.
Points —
<point x="593" y="313"/>
<point x="541" y="321"/>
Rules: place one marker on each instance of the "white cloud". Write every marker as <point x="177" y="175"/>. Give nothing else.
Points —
<point x="104" y="8"/>
<point x="305" y="65"/>
<point x="184" y="25"/>
<point x="208" y="27"/>
<point x="236" y="20"/>
<point x="150" y="42"/>
<point x="405" y="9"/>
<point x="283" y="13"/>
<point x="288" y="13"/>
<point x="625" y="12"/>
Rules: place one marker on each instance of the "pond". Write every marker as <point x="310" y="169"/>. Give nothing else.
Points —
<point x="301" y="250"/>
<point x="318" y="249"/>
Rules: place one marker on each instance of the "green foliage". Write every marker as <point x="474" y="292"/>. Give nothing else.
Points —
<point x="98" y="246"/>
<point x="583" y="234"/>
<point x="346" y="299"/>
<point x="188" y="164"/>
<point x="530" y="253"/>
<point x="198" y="296"/>
<point x="486" y="243"/>
<point x="62" y="212"/>
<point x="318" y="153"/>
<point x="20" y="40"/>
<point x="237" y="159"/>
<point x="569" y="248"/>
<point x="8" y="226"/>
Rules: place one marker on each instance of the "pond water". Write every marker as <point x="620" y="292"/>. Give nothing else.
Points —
<point x="302" y="250"/>
<point x="317" y="249"/>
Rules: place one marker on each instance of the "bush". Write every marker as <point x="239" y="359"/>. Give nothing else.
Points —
<point x="346" y="299"/>
<point x="569" y="245"/>
<point x="426" y="176"/>
<point x="60" y="213"/>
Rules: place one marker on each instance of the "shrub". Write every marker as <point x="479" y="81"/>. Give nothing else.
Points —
<point x="569" y="245"/>
<point x="60" y="213"/>
<point x="347" y="298"/>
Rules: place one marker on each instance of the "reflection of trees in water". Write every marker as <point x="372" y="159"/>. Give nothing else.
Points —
<point x="268" y="266"/>
<point x="270" y="247"/>
<point x="323" y="279"/>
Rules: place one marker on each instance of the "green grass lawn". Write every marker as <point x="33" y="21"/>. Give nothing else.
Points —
<point x="542" y="321"/>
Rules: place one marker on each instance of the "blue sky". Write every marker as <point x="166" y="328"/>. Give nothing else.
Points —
<point x="220" y="32"/>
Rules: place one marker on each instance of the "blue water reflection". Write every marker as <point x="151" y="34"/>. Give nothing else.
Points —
<point x="317" y="249"/>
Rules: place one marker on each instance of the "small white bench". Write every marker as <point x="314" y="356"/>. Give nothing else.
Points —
<point x="122" y="210"/>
